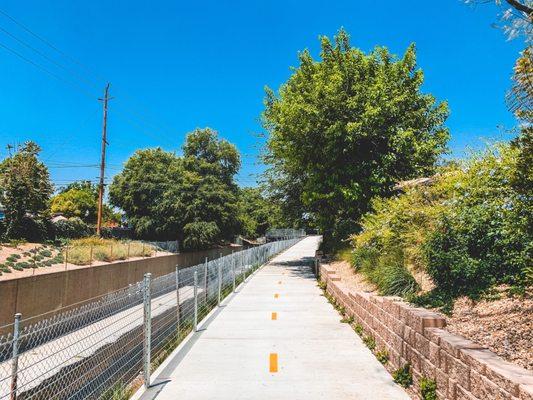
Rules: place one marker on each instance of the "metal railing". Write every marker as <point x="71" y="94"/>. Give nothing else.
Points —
<point x="285" y="233"/>
<point x="112" y="344"/>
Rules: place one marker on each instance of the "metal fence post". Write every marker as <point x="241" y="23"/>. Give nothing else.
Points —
<point x="15" y="356"/>
<point x="233" y="271"/>
<point x="147" y="324"/>
<point x="178" y="308"/>
<point x="205" y="279"/>
<point x="195" y="322"/>
<point x="219" y="281"/>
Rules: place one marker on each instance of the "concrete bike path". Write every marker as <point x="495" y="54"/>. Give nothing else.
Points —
<point x="277" y="338"/>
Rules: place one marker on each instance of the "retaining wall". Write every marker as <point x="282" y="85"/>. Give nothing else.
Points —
<point x="461" y="368"/>
<point x="45" y="293"/>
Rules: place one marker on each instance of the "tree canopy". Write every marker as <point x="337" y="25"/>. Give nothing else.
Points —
<point x="25" y="191"/>
<point x="258" y="213"/>
<point x="192" y="198"/>
<point x="80" y="200"/>
<point x="76" y="201"/>
<point x="346" y="128"/>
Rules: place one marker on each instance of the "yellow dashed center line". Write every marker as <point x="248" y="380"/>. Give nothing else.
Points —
<point x="274" y="316"/>
<point x="273" y="362"/>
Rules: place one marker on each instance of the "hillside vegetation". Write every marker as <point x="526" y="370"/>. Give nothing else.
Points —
<point x="469" y="231"/>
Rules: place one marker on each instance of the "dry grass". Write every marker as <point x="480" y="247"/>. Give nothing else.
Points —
<point x="84" y="251"/>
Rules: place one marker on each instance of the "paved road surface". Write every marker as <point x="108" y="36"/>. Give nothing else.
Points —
<point x="301" y="352"/>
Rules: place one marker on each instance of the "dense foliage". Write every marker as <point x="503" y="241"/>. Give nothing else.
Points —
<point x="257" y="213"/>
<point x="73" y="228"/>
<point x="25" y="191"/>
<point x="78" y="200"/>
<point x="191" y="198"/>
<point x="469" y="230"/>
<point x="344" y="129"/>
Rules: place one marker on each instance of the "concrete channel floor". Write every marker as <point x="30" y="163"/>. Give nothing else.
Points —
<point x="234" y="355"/>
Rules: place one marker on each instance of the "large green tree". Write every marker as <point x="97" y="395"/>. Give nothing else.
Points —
<point x="346" y="128"/>
<point x="25" y="191"/>
<point x="77" y="200"/>
<point x="80" y="200"/>
<point x="192" y="198"/>
<point x="143" y="191"/>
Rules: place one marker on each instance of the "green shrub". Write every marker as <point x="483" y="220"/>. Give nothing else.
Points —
<point x="22" y="265"/>
<point x="469" y="230"/>
<point x="45" y="253"/>
<point x="11" y="258"/>
<point x="403" y="376"/>
<point x="73" y="228"/>
<point x="483" y="238"/>
<point x="391" y="276"/>
<point x="4" y="268"/>
<point x="428" y="388"/>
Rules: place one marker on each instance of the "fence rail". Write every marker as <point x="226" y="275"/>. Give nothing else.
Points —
<point x="112" y="344"/>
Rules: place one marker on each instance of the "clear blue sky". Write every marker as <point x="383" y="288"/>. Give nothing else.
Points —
<point x="176" y="65"/>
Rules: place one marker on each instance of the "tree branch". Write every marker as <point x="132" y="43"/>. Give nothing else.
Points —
<point x="521" y="7"/>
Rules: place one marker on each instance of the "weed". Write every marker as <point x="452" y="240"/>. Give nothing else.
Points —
<point x="403" y="376"/>
<point x="382" y="356"/>
<point x="358" y="329"/>
<point x="428" y="388"/>
<point x="347" y="320"/>
<point x="369" y="341"/>
<point x="118" y="391"/>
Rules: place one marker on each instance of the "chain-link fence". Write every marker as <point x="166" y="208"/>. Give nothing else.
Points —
<point x="109" y="346"/>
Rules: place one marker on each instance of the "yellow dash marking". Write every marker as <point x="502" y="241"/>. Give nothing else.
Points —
<point x="274" y="316"/>
<point x="276" y="296"/>
<point x="273" y="362"/>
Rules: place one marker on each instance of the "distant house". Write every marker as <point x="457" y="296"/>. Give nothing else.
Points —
<point x="58" y="217"/>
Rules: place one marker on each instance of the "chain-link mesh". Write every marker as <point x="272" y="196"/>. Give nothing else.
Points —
<point x="95" y="350"/>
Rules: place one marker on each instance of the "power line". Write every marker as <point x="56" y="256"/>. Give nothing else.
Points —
<point x="41" y="68"/>
<point x="77" y="76"/>
<point x="42" y="54"/>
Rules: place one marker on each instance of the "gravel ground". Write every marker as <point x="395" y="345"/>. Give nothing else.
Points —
<point x="505" y="326"/>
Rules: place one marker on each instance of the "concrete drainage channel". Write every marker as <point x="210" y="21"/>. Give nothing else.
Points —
<point x="96" y="358"/>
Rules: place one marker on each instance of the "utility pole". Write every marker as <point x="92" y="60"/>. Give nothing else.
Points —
<point x="102" y="163"/>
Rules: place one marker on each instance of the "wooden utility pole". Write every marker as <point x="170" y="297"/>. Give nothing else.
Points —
<point x="102" y="163"/>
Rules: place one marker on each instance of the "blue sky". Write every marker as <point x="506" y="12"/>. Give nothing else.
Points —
<point x="176" y="65"/>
